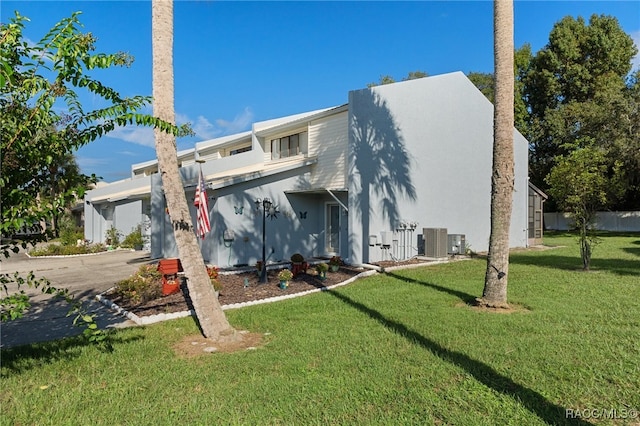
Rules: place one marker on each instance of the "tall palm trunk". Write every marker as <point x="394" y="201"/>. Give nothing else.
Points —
<point x="211" y="318"/>
<point x="502" y="176"/>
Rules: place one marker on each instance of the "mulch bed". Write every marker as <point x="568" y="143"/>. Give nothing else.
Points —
<point x="234" y="290"/>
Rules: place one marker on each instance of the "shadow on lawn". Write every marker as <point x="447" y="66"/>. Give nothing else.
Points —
<point x="530" y="399"/>
<point x="465" y="297"/>
<point x="633" y="250"/>
<point x="570" y="263"/>
<point x="22" y="358"/>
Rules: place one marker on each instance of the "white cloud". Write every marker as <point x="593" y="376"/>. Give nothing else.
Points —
<point x="202" y="127"/>
<point x="138" y="135"/>
<point x="206" y="130"/>
<point x="240" y="122"/>
<point x="128" y="153"/>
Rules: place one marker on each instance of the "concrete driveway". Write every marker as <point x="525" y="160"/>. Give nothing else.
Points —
<point x="84" y="276"/>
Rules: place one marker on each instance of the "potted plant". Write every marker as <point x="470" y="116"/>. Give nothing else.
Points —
<point x="213" y="277"/>
<point x="285" y="276"/>
<point x="298" y="264"/>
<point x="334" y="263"/>
<point x="259" y="267"/>
<point x="321" y="269"/>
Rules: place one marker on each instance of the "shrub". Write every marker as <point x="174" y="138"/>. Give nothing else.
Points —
<point x="144" y="285"/>
<point x="285" y="275"/>
<point x="67" y="250"/>
<point x="69" y="232"/>
<point x="322" y="267"/>
<point x="335" y="261"/>
<point x="134" y="238"/>
<point x="213" y="276"/>
<point x="113" y="236"/>
<point x="297" y="258"/>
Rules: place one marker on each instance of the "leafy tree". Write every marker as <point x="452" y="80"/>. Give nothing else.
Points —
<point x="42" y="122"/>
<point x="579" y="94"/>
<point x="62" y="177"/>
<point x="211" y="318"/>
<point x="415" y="75"/>
<point x="387" y="79"/>
<point x="502" y="176"/>
<point x="578" y="181"/>
<point x="485" y="83"/>
<point x="577" y="91"/>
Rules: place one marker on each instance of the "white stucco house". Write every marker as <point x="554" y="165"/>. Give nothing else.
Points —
<point x="361" y="180"/>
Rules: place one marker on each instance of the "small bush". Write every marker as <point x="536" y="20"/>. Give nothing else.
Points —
<point x="335" y="261"/>
<point x="213" y="273"/>
<point x="134" y="238"/>
<point x="322" y="267"/>
<point x="297" y="258"/>
<point x="67" y="250"/>
<point x="113" y="236"/>
<point x="69" y="233"/>
<point x="70" y="236"/>
<point x="141" y="287"/>
<point x="285" y="275"/>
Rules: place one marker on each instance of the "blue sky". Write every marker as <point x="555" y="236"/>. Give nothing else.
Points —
<point x="240" y="62"/>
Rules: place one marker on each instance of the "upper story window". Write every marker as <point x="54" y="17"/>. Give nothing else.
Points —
<point x="240" y="150"/>
<point x="287" y="146"/>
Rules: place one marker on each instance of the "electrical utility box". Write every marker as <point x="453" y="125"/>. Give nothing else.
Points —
<point x="435" y="242"/>
<point x="456" y="244"/>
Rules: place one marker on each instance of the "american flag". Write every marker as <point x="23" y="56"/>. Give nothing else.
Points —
<point x="203" y="225"/>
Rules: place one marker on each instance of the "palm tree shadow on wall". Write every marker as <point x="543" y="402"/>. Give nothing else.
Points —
<point x="379" y="164"/>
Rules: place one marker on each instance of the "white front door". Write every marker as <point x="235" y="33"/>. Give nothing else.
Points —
<point x="332" y="229"/>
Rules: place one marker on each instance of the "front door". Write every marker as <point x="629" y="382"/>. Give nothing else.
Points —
<point x="332" y="229"/>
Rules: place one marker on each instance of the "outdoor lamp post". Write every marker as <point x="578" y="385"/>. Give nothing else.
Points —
<point x="266" y="208"/>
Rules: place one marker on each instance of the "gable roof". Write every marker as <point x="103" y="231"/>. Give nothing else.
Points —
<point x="537" y="190"/>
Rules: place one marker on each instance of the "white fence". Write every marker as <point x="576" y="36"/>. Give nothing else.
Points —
<point x="605" y="221"/>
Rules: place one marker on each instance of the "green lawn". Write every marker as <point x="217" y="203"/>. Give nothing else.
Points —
<point x="401" y="348"/>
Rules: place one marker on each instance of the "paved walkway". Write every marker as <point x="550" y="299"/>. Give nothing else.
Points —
<point x="84" y="276"/>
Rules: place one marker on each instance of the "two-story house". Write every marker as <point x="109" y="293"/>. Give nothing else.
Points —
<point x="359" y="180"/>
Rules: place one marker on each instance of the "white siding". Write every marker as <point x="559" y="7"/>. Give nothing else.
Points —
<point x="328" y="142"/>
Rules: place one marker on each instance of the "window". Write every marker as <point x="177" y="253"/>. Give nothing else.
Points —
<point x="285" y="147"/>
<point x="239" y="150"/>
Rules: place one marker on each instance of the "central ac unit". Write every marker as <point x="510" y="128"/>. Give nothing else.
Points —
<point x="435" y="242"/>
<point x="456" y="244"/>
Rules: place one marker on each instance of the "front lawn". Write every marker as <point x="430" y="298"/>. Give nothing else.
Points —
<point x="401" y="348"/>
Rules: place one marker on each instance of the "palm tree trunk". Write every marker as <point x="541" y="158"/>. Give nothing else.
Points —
<point x="502" y="177"/>
<point x="211" y="319"/>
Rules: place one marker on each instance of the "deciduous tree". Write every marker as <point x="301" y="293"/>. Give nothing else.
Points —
<point x="579" y="183"/>
<point x="579" y="94"/>
<point x="387" y="79"/>
<point x="485" y="83"/>
<point x="42" y="122"/>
